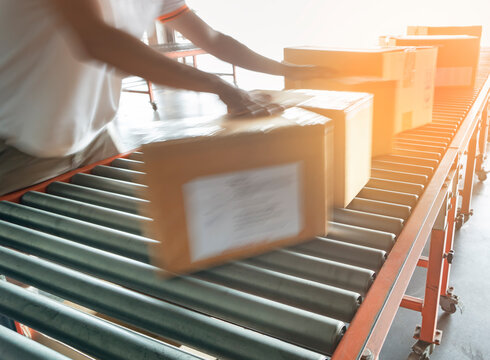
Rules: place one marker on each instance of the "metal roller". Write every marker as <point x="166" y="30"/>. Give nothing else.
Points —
<point x="399" y="176"/>
<point x="433" y="139"/>
<point x="160" y="317"/>
<point x="408" y="168"/>
<point x="412" y="145"/>
<point x="107" y="184"/>
<point x="92" y="213"/>
<point x="448" y="115"/>
<point x="316" y="269"/>
<point x="361" y="236"/>
<point x="87" y="333"/>
<point x="380" y="207"/>
<point x="439" y="109"/>
<point x="346" y="253"/>
<point x="445" y="120"/>
<point x="434" y="132"/>
<point x="122" y="243"/>
<point x="399" y="186"/>
<point x="14" y="346"/>
<point x="367" y="220"/>
<point x="127" y="164"/>
<point x="304" y="328"/>
<point x="417" y="153"/>
<point x="117" y="173"/>
<point x="304" y="294"/>
<point x="409" y="160"/>
<point x="389" y="196"/>
<point x="434" y="127"/>
<point x="136" y="155"/>
<point x="452" y="108"/>
<point x="97" y="197"/>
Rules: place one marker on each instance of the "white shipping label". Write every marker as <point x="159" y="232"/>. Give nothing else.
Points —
<point x="232" y="210"/>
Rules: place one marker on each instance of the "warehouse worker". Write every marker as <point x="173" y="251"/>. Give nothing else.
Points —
<point x="60" y="77"/>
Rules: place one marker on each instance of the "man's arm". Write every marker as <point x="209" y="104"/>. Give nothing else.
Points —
<point x="107" y="44"/>
<point x="226" y="48"/>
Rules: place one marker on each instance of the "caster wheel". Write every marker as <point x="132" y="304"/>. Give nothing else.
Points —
<point x="449" y="308"/>
<point x="449" y="303"/>
<point x="482" y="176"/>
<point x="415" y="356"/>
<point x="459" y="222"/>
<point x="154" y="106"/>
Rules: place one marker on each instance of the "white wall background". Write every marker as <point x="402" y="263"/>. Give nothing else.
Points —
<point x="267" y="26"/>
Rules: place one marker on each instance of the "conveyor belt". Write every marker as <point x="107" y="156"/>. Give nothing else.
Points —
<point x="293" y="303"/>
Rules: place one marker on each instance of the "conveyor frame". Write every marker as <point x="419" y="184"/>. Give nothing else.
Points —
<point x="372" y="321"/>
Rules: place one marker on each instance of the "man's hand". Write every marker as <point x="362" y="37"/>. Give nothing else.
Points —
<point x="308" y="72"/>
<point x="240" y="103"/>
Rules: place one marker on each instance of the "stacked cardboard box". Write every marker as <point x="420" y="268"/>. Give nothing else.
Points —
<point x="405" y="76"/>
<point x="237" y="188"/>
<point x="351" y="113"/>
<point x="475" y="30"/>
<point x="457" y="59"/>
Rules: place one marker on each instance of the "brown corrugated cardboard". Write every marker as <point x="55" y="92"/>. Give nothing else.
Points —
<point x="247" y="187"/>
<point x="414" y="68"/>
<point x="472" y="30"/>
<point x="351" y="113"/>
<point x="385" y="63"/>
<point x="386" y="105"/>
<point x="457" y="59"/>
<point x="417" y="98"/>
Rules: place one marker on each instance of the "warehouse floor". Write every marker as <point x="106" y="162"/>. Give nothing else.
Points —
<point x="465" y="333"/>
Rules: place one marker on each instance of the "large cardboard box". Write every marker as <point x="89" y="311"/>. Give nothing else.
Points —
<point x="413" y="68"/>
<point x="352" y="116"/>
<point x="417" y="96"/>
<point x="386" y="105"/>
<point x="237" y="188"/>
<point x="457" y="59"/>
<point x="381" y="62"/>
<point x="473" y="30"/>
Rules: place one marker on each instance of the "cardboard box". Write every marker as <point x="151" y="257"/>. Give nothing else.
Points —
<point x="457" y="59"/>
<point x="413" y="68"/>
<point x="386" y="107"/>
<point x="474" y="30"/>
<point x="417" y="98"/>
<point x="352" y="116"/>
<point x="246" y="187"/>
<point x="385" y="63"/>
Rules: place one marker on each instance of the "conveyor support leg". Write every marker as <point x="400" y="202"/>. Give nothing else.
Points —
<point x="465" y="212"/>
<point x="482" y="145"/>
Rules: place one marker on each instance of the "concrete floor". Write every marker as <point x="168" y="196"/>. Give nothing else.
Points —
<point x="466" y="334"/>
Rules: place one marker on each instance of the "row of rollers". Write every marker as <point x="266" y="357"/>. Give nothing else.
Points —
<point x="309" y="291"/>
<point x="276" y="260"/>
<point x="341" y="215"/>
<point x="279" y="260"/>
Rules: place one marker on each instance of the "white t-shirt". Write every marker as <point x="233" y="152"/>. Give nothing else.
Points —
<point x="52" y="103"/>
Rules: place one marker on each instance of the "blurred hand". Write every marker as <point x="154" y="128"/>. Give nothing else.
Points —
<point x="241" y="104"/>
<point x="308" y="72"/>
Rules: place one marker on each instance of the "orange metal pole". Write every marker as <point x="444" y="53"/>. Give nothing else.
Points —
<point x="432" y="287"/>
<point x="412" y="303"/>
<point x="468" y="178"/>
<point x="423" y="262"/>
<point x="449" y="245"/>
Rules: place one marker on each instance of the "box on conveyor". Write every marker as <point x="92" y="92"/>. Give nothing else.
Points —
<point x="412" y="69"/>
<point x="352" y="114"/>
<point x="235" y="188"/>
<point x="472" y="30"/>
<point x="457" y="59"/>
